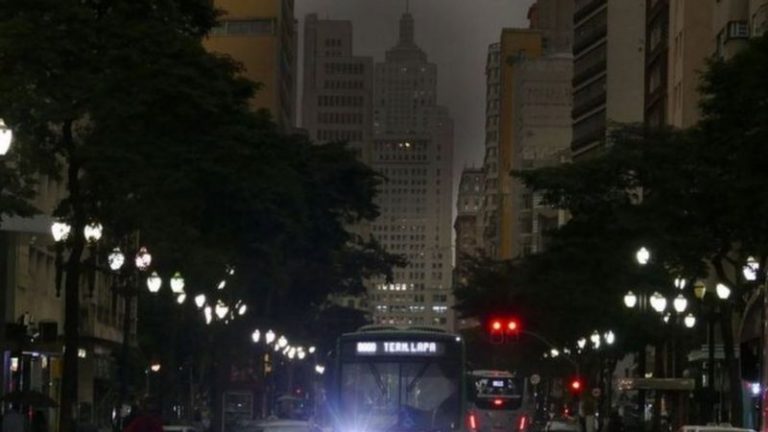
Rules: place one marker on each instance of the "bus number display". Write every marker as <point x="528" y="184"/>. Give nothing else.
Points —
<point x="400" y="348"/>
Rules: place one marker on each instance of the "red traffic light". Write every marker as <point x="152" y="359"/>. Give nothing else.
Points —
<point x="496" y="325"/>
<point x="576" y="385"/>
<point x="512" y="325"/>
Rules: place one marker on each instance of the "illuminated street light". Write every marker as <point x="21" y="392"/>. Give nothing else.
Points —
<point x="177" y="283"/>
<point x="60" y="231"/>
<point x="699" y="290"/>
<point x="658" y="302"/>
<point x="242" y="310"/>
<point x="723" y="292"/>
<point x="143" y="259"/>
<point x="269" y="337"/>
<point x="221" y="309"/>
<point x="680" y="303"/>
<point x="221" y="285"/>
<point x="155" y="367"/>
<point x="595" y="339"/>
<point x="256" y="336"/>
<point x="689" y="320"/>
<point x="319" y="369"/>
<point x="312" y="350"/>
<point x="181" y="298"/>
<point x="154" y="282"/>
<point x="6" y="138"/>
<point x="92" y="232"/>
<point x="581" y="343"/>
<point x="680" y="283"/>
<point x="116" y="259"/>
<point x="750" y="269"/>
<point x="282" y="342"/>
<point x="208" y="312"/>
<point x="630" y="299"/>
<point x="666" y="317"/>
<point x="610" y="337"/>
<point x="642" y="256"/>
<point x="200" y="300"/>
<point x="554" y="352"/>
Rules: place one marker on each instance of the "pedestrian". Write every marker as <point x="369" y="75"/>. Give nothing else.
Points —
<point x="148" y="419"/>
<point x="13" y="421"/>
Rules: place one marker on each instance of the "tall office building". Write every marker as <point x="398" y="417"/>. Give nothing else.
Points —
<point x="656" y="61"/>
<point x="413" y="148"/>
<point x="337" y="85"/>
<point x="262" y="36"/>
<point x="608" y="77"/>
<point x="515" y="47"/>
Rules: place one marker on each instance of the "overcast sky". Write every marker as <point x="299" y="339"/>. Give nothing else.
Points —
<point x="455" y="35"/>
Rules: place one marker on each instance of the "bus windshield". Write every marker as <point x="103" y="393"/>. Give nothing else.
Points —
<point x="408" y="395"/>
<point x="497" y="392"/>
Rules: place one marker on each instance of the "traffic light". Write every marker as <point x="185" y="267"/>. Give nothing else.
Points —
<point x="503" y="330"/>
<point x="576" y="386"/>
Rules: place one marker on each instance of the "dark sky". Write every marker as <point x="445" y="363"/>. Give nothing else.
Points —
<point x="455" y="35"/>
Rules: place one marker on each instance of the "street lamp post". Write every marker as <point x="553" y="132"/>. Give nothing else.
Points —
<point x="6" y="138"/>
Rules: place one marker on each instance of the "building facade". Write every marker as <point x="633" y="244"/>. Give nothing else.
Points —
<point x="337" y="86"/>
<point x="490" y="209"/>
<point x="543" y="103"/>
<point x="413" y="148"/>
<point x="468" y="224"/>
<point x="32" y="319"/>
<point x="656" y="62"/>
<point x="608" y="69"/>
<point x="261" y="35"/>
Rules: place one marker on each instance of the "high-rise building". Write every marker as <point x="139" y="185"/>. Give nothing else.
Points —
<point x="468" y="225"/>
<point x="261" y="35"/>
<point x="337" y="86"/>
<point x="413" y="148"/>
<point x="608" y="69"/>
<point x="656" y="61"/>
<point x="690" y="27"/>
<point x="515" y="47"/>
<point x="542" y="136"/>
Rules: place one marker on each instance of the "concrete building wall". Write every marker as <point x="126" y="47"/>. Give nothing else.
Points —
<point x="690" y="27"/>
<point x="338" y="86"/>
<point x="491" y="159"/>
<point x="413" y="148"/>
<point x="262" y="36"/>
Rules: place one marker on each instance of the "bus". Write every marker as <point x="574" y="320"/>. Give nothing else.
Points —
<point x="390" y="379"/>
<point x="498" y="401"/>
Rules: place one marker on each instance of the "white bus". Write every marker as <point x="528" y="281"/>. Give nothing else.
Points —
<point x="498" y="402"/>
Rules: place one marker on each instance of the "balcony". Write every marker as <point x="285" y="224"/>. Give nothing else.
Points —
<point x="588" y="130"/>
<point x="589" y="98"/>
<point x="590" y="31"/>
<point x="589" y="65"/>
<point x="583" y="8"/>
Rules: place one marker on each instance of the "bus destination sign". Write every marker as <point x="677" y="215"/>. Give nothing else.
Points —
<point x="400" y="348"/>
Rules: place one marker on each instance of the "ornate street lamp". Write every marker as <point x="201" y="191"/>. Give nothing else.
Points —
<point x="595" y="339"/>
<point x="642" y="256"/>
<point x="699" y="290"/>
<point x="143" y="259"/>
<point x="242" y="310"/>
<point x="208" y="312"/>
<point x="581" y="343"/>
<point x="658" y="302"/>
<point x="689" y="320"/>
<point x="200" y="300"/>
<point x="154" y="282"/>
<point x="630" y="299"/>
<point x="181" y="298"/>
<point x="312" y="350"/>
<point x="221" y="309"/>
<point x="116" y="259"/>
<point x="680" y="303"/>
<point x="177" y="283"/>
<point x="282" y="342"/>
<point x="723" y="292"/>
<point x="609" y="337"/>
<point x="269" y="337"/>
<point x="60" y="231"/>
<point x="750" y="269"/>
<point x="680" y="283"/>
<point x="92" y="232"/>
<point x="6" y="138"/>
<point x="256" y="336"/>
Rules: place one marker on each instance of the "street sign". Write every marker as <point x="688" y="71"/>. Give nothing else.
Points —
<point x="683" y="384"/>
<point x="596" y="392"/>
<point x="535" y="379"/>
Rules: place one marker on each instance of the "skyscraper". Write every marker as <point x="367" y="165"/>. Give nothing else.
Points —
<point x="262" y="36"/>
<point x="608" y="78"/>
<point x="413" y="148"/>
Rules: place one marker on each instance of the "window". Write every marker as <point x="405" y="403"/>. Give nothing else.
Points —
<point x="244" y="27"/>
<point x="738" y="30"/>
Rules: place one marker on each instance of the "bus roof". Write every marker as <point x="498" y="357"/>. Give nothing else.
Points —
<point x="377" y="331"/>
<point x="487" y="373"/>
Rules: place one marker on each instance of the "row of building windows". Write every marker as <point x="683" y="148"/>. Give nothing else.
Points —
<point x="340" y="118"/>
<point x="341" y="100"/>
<point x="333" y="42"/>
<point x="244" y="27"/>
<point x="412" y="228"/>
<point x="343" y="84"/>
<point x="344" y="68"/>
<point x="340" y="135"/>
